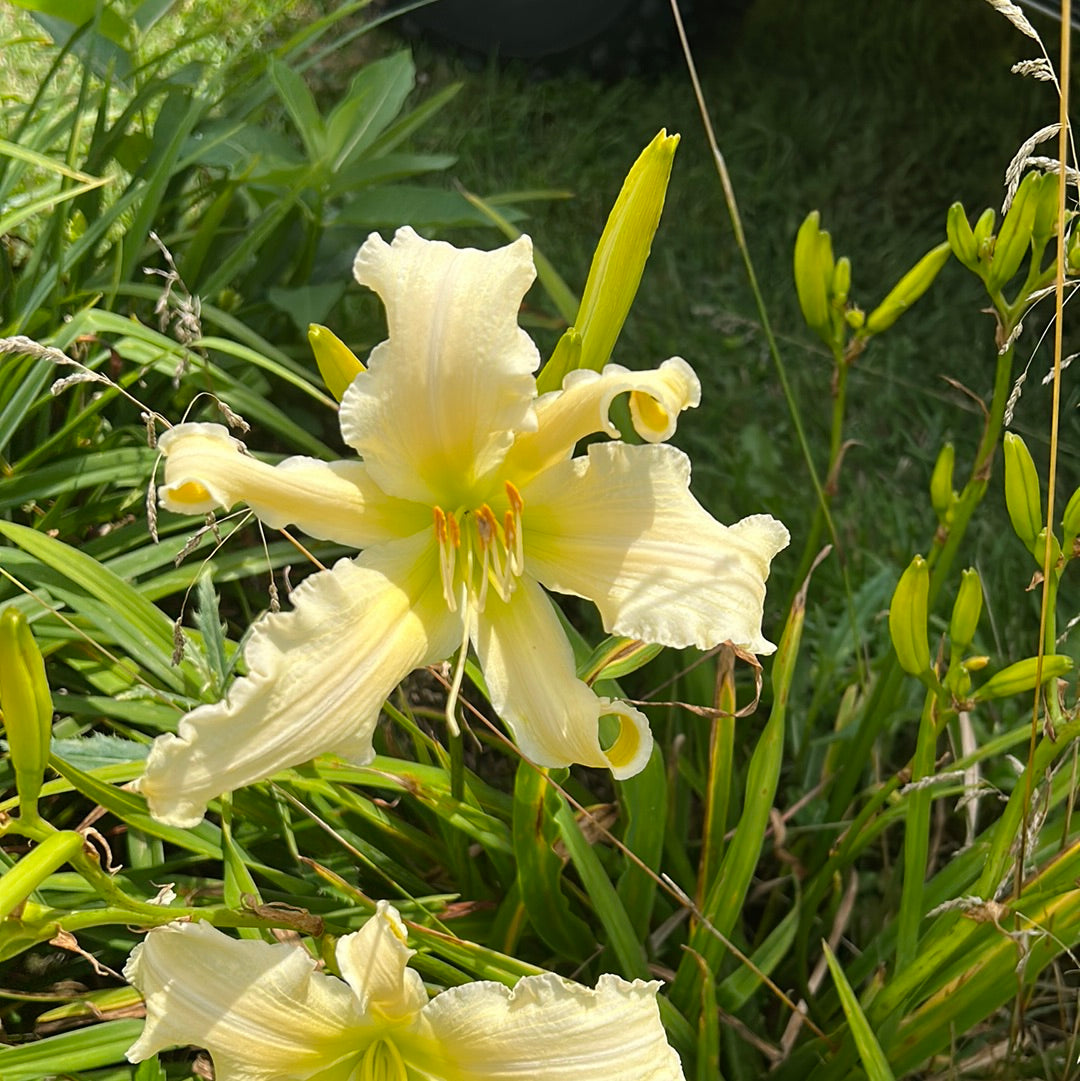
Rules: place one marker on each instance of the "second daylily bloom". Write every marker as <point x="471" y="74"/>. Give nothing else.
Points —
<point x="265" y="1013"/>
<point x="467" y="499"/>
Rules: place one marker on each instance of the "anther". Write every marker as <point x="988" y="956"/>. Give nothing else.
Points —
<point x="515" y="541"/>
<point x="449" y="537"/>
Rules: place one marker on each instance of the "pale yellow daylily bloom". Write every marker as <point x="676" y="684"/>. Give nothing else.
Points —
<point x="265" y="1013"/>
<point x="467" y="499"/>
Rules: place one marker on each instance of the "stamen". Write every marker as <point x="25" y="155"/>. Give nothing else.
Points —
<point x="459" y="668"/>
<point x="449" y="538"/>
<point x="515" y="539"/>
<point x="487" y="529"/>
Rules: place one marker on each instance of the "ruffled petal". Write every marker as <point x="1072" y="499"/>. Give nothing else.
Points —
<point x="547" y="1029"/>
<point x="442" y="397"/>
<point x="262" y="1011"/>
<point x="373" y="962"/>
<point x="529" y="670"/>
<point x="207" y="469"/>
<point x="620" y="528"/>
<point x="582" y="407"/>
<point x="317" y="678"/>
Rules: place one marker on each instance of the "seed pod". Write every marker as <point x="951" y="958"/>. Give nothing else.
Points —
<point x="1019" y="678"/>
<point x="26" y="706"/>
<point x="337" y="363"/>
<point x="907" y="618"/>
<point x="1022" y="496"/>
<point x="942" y="495"/>
<point x="908" y="289"/>
<point x="966" y="611"/>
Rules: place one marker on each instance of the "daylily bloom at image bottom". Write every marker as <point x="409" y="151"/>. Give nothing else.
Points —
<point x="466" y="501"/>
<point x="264" y="1013"/>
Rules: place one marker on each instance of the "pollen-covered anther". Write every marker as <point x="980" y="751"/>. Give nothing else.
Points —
<point x="492" y="567"/>
<point x="515" y="547"/>
<point x="448" y="536"/>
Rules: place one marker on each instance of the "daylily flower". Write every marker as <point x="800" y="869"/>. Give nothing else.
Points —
<point x="467" y="499"/>
<point x="265" y="1013"/>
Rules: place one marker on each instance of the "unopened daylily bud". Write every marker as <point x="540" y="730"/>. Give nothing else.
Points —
<point x="1072" y="259"/>
<point x="1038" y="549"/>
<point x="984" y="234"/>
<point x="841" y="281"/>
<point x="19" y="881"/>
<point x="26" y="706"/>
<point x="1014" y="238"/>
<point x="961" y="238"/>
<point x="814" y="269"/>
<point x="624" y="247"/>
<point x="907" y="618"/>
<point x="1045" y="198"/>
<point x="565" y="358"/>
<point x="942" y="494"/>
<point x="966" y="611"/>
<point x="337" y="363"/>
<point x="855" y="317"/>
<point x="1019" y="678"/>
<point x="1022" y="495"/>
<point x="976" y="664"/>
<point x="908" y="289"/>
<point x="1070" y="521"/>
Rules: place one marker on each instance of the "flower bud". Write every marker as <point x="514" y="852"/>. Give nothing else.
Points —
<point x="19" y="881"/>
<point x="908" y="289"/>
<point x="841" y="282"/>
<point x="1014" y="238"/>
<point x="984" y="234"/>
<point x="907" y="618"/>
<point x="966" y="611"/>
<point x="624" y="247"/>
<point x="1022" y="495"/>
<point x="338" y="365"/>
<point x="565" y="358"/>
<point x="961" y="238"/>
<point x="1038" y="549"/>
<point x="814" y="269"/>
<point x="1045" y="198"/>
<point x="1070" y="522"/>
<point x="1020" y="677"/>
<point x="26" y="706"/>
<point x="942" y="495"/>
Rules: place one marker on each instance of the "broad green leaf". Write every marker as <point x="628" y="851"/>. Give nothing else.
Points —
<point x="873" y="1058"/>
<point x="375" y="96"/>
<point x="70" y="1052"/>
<point x="539" y="869"/>
<point x="643" y="800"/>
<point x="727" y="893"/>
<point x="145" y="632"/>
<point x="624" y="941"/>
<point x="300" y="103"/>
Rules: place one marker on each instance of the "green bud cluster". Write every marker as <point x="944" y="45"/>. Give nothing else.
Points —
<point x="823" y="285"/>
